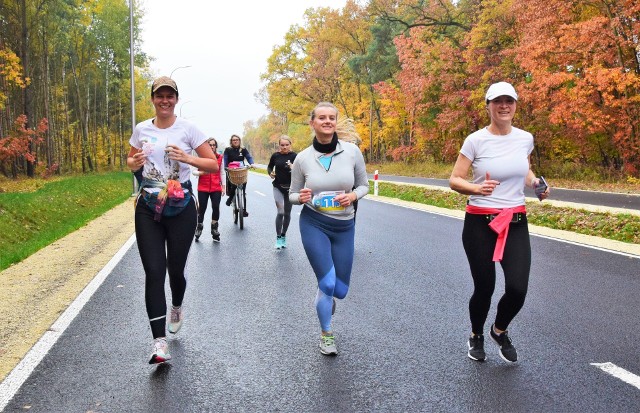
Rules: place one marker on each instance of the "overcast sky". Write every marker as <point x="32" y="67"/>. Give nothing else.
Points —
<point x="226" y="44"/>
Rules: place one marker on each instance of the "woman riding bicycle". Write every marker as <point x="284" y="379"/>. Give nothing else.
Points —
<point x="235" y="152"/>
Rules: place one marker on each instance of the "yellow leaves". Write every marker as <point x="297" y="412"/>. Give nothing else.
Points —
<point x="11" y="71"/>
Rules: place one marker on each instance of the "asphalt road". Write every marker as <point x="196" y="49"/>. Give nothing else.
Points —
<point x="559" y="194"/>
<point x="250" y="339"/>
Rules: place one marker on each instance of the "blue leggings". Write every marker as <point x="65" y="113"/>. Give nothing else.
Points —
<point x="329" y="244"/>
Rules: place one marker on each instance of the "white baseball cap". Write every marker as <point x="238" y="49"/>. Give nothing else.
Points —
<point x="501" y="89"/>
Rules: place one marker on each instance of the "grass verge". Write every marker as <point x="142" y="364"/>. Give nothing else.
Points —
<point x="32" y="220"/>
<point x="619" y="227"/>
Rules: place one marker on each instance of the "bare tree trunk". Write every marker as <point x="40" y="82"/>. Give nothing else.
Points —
<point x="47" y="113"/>
<point x="26" y="92"/>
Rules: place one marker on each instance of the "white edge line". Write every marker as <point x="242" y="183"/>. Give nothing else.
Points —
<point x="580" y="244"/>
<point x="259" y="193"/>
<point x="619" y="373"/>
<point x="12" y="383"/>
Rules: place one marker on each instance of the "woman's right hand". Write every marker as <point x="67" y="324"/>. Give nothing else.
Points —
<point x="487" y="187"/>
<point x="137" y="161"/>
<point x="305" y="195"/>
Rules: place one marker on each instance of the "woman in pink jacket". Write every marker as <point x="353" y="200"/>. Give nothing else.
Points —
<point x="210" y="185"/>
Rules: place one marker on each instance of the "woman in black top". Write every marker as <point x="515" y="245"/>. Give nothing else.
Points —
<point x="235" y="152"/>
<point x="279" y="169"/>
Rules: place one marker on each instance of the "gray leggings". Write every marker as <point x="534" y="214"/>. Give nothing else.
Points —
<point x="284" y="211"/>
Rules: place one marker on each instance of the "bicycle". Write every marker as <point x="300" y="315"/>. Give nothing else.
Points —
<point x="238" y="177"/>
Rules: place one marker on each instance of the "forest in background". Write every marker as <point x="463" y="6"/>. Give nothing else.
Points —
<point x="65" y="85"/>
<point x="411" y="75"/>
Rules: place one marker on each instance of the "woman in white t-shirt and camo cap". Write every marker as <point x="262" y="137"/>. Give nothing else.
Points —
<point x="495" y="225"/>
<point x="165" y="213"/>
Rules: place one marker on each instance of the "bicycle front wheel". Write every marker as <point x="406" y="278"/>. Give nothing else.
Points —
<point x="241" y="206"/>
<point x="234" y="210"/>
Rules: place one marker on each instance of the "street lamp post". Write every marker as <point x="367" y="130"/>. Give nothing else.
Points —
<point x="180" y="67"/>
<point x="181" y="106"/>
<point x="133" y="84"/>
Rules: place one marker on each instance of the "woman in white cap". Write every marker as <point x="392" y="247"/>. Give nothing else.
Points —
<point x="495" y="225"/>
<point x="165" y="213"/>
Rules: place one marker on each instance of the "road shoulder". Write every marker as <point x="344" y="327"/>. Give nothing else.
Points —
<point x="39" y="289"/>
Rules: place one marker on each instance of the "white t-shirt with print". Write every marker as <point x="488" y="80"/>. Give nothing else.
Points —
<point x="153" y="141"/>
<point x="506" y="158"/>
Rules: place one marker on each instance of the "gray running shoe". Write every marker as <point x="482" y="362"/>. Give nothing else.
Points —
<point x="507" y="350"/>
<point x="476" y="348"/>
<point x="328" y="345"/>
<point x="175" y="319"/>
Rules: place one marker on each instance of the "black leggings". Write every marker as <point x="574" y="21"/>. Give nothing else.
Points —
<point x="175" y="234"/>
<point x="479" y="241"/>
<point x="203" y="199"/>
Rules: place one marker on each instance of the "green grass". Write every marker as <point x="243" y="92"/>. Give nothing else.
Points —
<point x="619" y="227"/>
<point x="32" y="220"/>
<point x="36" y="213"/>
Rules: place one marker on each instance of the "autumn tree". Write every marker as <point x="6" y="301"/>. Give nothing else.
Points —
<point x="584" y="75"/>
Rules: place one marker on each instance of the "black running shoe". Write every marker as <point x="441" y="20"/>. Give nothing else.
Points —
<point x="507" y="351"/>
<point x="476" y="348"/>
<point x="228" y="201"/>
<point x="198" y="231"/>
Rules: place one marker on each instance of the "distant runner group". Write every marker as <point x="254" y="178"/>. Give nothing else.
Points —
<point x="327" y="178"/>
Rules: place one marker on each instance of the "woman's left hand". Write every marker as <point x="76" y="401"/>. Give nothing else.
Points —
<point x="345" y="199"/>
<point x="176" y="154"/>
<point x="545" y="194"/>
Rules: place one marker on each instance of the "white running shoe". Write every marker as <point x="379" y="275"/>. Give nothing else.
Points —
<point x="175" y="319"/>
<point x="160" y="352"/>
<point x="328" y="345"/>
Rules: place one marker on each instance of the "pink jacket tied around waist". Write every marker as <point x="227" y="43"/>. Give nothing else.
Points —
<point x="500" y="224"/>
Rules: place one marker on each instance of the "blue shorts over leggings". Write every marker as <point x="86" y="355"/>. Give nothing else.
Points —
<point x="329" y="245"/>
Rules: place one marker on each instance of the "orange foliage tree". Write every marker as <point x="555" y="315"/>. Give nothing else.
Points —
<point x="16" y="145"/>
<point x="584" y="73"/>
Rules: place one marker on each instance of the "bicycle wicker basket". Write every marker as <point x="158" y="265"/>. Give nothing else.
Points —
<point x="238" y="176"/>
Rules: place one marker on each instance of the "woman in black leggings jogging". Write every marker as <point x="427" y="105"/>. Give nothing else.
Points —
<point x="165" y="214"/>
<point x="495" y="224"/>
<point x="279" y="169"/>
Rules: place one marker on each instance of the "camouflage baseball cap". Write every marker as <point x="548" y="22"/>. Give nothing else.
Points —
<point x="163" y="81"/>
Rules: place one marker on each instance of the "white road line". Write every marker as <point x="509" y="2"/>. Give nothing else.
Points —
<point x="620" y="373"/>
<point x="259" y="193"/>
<point x="594" y="247"/>
<point x="17" y="377"/>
